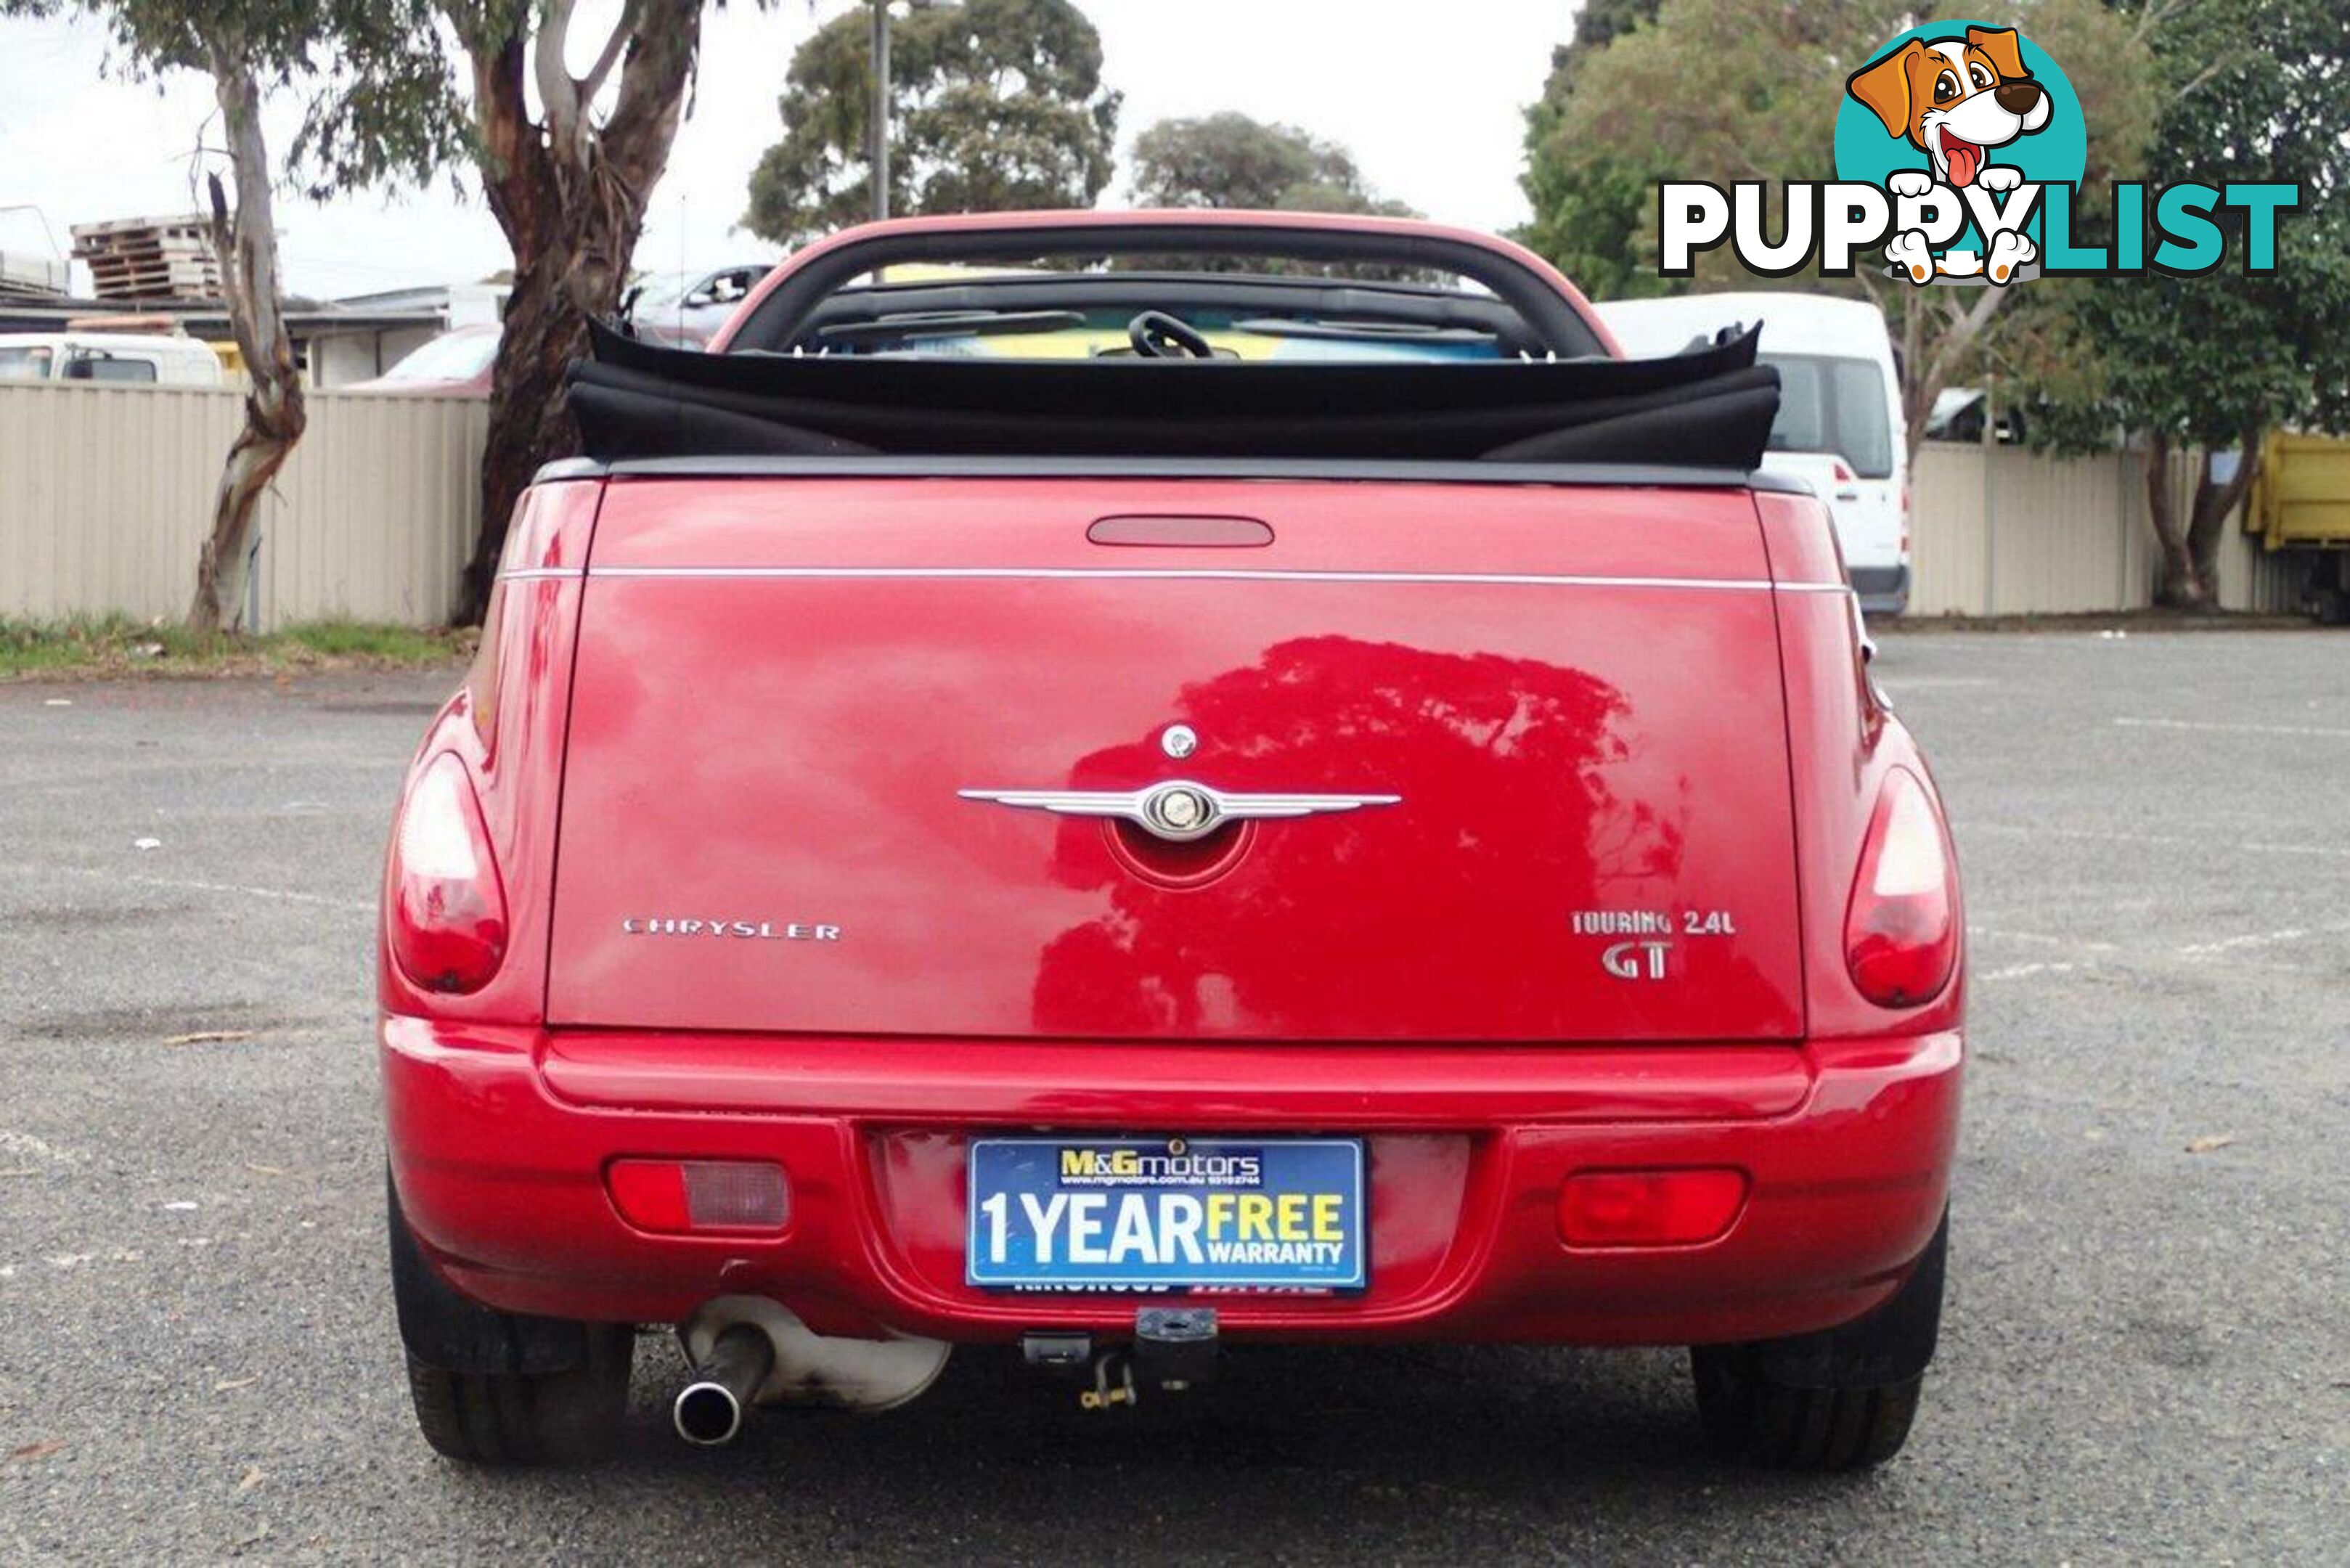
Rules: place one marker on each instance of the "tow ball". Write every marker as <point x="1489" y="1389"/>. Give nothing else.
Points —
<point x="1173" y="1349"/>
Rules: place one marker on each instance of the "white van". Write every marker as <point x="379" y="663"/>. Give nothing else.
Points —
<point x="112" y="358"/>
<point x="1839" y="427"/>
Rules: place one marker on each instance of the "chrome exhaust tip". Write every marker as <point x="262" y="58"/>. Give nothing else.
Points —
<point x="708" y="1412"/>
<point x="708" y="1415"/>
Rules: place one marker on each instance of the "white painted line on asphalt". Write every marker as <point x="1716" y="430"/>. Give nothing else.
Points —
<point x="2041" y="940"/>
<point x="2262" y="940"/>
<point x="287" y="893"/>
<point x="187" y="885"/>
<point x="2249" y="942"/>
<point x="18" y="1146"/>
<point x="2024" y="970"/>
<point x="2198" y="725"/>
<point x="2026" y="830"/>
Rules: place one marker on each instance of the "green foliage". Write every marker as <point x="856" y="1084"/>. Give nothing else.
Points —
<point x="1232" y="161"/>
<point x="1728" y="90"/>
<point x="152" y="36"/>
<point x="2262" y="94"/>
<point x="1588" y="201"/>
<point x="996" y="105"/>
<point x="1704" y="89"/>
<point x="380" y="98"/>
<point x="395" y="112"/>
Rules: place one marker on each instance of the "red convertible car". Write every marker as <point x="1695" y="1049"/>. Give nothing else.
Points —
<point x="1164" y="778"/>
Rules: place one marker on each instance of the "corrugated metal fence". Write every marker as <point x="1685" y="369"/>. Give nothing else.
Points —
<point x="106" y="493"/>
<point x="2005" y="533"/>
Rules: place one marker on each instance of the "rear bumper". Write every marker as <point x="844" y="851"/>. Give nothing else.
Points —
<point x="1882" y="590"/>
<point x="500" y="1137"/>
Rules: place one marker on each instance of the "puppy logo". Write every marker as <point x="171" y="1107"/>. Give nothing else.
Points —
<point x="1956" y="99"/>
<point x="1963" y="126"/>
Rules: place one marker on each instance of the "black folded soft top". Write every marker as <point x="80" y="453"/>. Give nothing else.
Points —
<point x="1708" y="409"/>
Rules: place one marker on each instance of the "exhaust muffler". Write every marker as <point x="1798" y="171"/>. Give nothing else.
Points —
<point x="709" y="1410"/>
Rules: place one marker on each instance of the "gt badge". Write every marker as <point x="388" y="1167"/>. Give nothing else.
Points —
<point x="1637" y="961"/>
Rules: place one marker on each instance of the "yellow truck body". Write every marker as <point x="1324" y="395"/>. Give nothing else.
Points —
<point x="2301" y="498"/>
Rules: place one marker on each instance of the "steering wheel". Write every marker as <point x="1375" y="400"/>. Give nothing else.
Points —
<point x="1159" y="335"/>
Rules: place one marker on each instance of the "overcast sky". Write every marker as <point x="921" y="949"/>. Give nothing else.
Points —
<point x="1428" y="99"/>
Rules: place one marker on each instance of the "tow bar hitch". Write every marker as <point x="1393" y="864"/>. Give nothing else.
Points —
<point x="1174" y="1348"/>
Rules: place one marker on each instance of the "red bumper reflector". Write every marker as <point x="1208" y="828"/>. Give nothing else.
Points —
<point x="1649" y="1208"/>
<point x="684" y="1195"/>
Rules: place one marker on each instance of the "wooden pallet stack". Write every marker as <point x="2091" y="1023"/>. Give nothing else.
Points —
<point x="149" y="258"/>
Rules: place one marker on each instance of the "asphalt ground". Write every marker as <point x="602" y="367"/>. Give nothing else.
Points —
<point x="2144" y="1356"/>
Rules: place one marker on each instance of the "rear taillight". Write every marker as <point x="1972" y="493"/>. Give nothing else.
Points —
<point x="447" y="922"/>
<point x="1900" y="935"/>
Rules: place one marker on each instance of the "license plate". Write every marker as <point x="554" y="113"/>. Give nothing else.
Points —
<point x="1166" y="1212"/>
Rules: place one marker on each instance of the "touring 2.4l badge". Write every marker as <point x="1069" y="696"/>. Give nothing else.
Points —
<point x="1642" y="948"/>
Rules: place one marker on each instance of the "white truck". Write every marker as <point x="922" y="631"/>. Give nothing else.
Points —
<point x="1839" y="429"/>
<point x="112" y="358"/>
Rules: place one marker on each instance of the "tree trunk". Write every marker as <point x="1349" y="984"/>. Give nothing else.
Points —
<point x="274" y="416"/>
<point x="2188" y="575"/>
<point x="1920" y="408"/>
<point x="2176" y="585"/>
<point x="570" y="194"/>
<point x="1926" y="377"/>
<point x="530" y="415"/>
<point x="2215" y="505"/>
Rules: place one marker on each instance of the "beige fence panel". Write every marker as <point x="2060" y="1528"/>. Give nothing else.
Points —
<point x="374" y="514"/>
<point x="1947" y="560"/>
<point x="2004" y="532"/>
<point x="106" y="495"/>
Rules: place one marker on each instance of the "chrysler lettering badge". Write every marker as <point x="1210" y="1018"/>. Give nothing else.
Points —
<point x="752" y="930"/>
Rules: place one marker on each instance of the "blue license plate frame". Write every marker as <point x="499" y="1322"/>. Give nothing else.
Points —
<point x="1030" y="1199"/>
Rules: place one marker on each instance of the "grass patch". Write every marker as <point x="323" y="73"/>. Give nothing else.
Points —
<point x="118" y="645"/>
<point x="383" y="644"/>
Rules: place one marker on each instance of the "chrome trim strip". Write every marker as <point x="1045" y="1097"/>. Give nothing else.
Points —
<point x="1213" y="574"/>
<point x="1177" y="810"/>
<point x="541" y="574"/>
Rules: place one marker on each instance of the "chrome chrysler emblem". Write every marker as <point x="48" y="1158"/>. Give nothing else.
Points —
<point x="1178" y="810"/>
<point x="1179" y="740"/>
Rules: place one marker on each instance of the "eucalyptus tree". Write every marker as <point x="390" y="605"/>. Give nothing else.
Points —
<point x="994" y="105"/>
<point x="248" y="49"/>
<point x="566" y="158"/>
<point x="2260" y="93"/>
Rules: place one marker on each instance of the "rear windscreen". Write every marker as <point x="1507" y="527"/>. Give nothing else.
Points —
<point x="1832" y="404"/>
<point x="1232" y="332"/>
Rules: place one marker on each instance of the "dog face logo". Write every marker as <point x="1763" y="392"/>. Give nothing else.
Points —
<point x="1963" y="125"/>
<point x="1955" y="100"/>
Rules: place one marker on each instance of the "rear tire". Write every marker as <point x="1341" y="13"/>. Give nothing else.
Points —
<point x="523" y="1419"/>
<point x="1753" y="1418"/>
<point x="1839" y="1399"/>
<point x="493" y="1387"/>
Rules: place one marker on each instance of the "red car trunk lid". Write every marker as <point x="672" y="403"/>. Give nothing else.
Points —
<point x="783" y="686"/>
